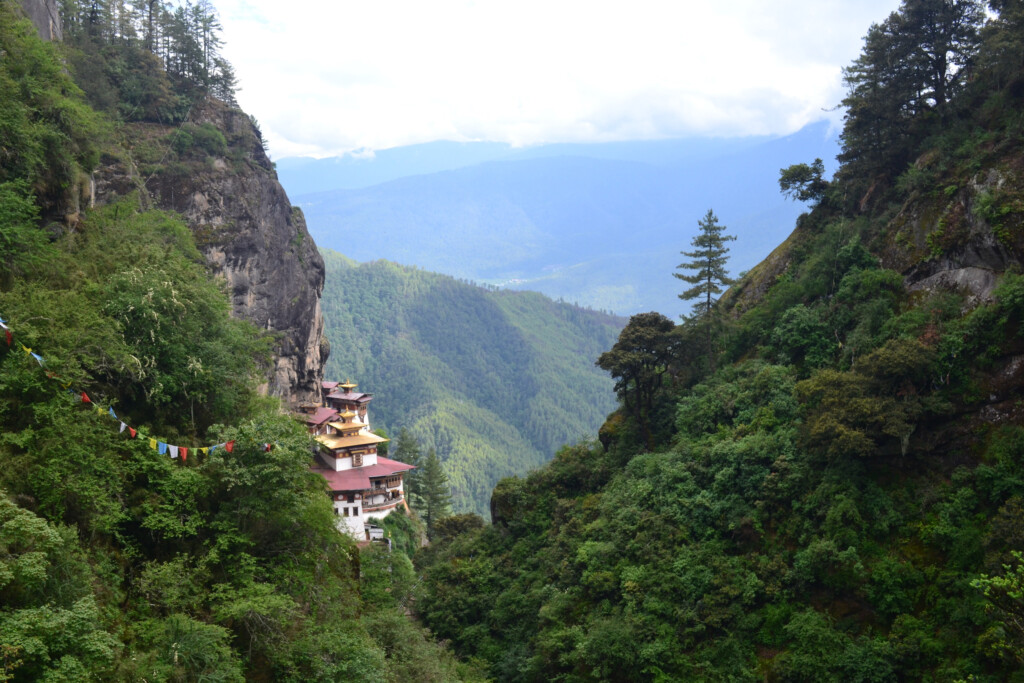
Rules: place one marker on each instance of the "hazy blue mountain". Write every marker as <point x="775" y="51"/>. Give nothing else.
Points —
<point x="601" y="225"/>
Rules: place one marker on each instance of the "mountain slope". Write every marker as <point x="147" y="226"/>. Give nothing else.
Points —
<point x="837" y="492"/>
<point x="494" y="380"/>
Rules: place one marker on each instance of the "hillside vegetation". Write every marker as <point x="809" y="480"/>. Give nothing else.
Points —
<point x="494" y="381"/>
<point x="118" y="562"/>
<point x="842" y="497"/>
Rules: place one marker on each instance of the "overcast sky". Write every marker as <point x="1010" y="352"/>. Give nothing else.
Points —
<point x="325" y="77"/>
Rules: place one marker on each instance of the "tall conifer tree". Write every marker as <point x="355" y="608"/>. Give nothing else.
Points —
<point x="709" y="275"/>
<point x="435" y="492"/>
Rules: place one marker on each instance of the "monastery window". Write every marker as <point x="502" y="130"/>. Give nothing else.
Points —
<point x="357" y="459"/>
<point x="351" y="498"/>
<point x="355" y="512"/>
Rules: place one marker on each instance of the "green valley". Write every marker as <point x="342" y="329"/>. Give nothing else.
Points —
<point x="495" y="381"/>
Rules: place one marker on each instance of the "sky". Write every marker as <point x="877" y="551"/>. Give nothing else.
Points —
<point x="330" y="77"/>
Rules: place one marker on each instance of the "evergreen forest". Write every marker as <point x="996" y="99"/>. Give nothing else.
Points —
<point x="495" y="381"/>
<point x="820" y="476"/>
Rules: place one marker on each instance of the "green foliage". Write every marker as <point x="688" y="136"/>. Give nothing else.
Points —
<point x="708" y="265"/>
<point x="436" y="495"/>
<point x="805" y="183"/>
<point x="50" y="136"/>
<point x="23" y="246"/>
<point x="494" y="381"/>
<point x="638" y="362"/>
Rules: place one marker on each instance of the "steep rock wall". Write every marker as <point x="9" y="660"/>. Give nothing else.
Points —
<point x="46" y="16"/>
<point x="246" y="228"/>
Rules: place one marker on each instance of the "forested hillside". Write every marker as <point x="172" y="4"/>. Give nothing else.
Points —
<point x="118" y="560"/>
<point x="494" y="381"/>
<point x="834" y="490"/>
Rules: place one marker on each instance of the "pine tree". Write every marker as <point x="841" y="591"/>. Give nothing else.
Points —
<point x="437" y="497"/>
<point x="709" y="258"/>
<point x="407" y="450"/>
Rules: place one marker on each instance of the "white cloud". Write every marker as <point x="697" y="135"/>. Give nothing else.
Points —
<point x="330" y="77"/>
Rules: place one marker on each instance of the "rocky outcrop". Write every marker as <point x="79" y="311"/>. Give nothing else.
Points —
<point x="228" y="193"/>
<point x="960" y="242"/>
<point x="46" y="16"/>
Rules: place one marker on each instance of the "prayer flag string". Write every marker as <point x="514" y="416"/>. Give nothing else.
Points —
<point x="154" y="444"/>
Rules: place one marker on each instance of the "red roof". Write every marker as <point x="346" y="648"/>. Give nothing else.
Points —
<point x="350" y="396"/>
<point x="329" y="386"/>
<point x="320" y="415"/>
<point x="358" y="478"/>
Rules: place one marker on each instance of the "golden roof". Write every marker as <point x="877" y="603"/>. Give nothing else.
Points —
<point x="348" y="414"/>
<point x="346" y="426"/>
<point x="334" y="442"/>
<point x="349" y="384"/>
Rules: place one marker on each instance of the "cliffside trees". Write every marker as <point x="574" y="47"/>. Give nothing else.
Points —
<point x="709" y="259"/>
<point x="142" y="56"/>
<point x="803" y="182"/>
<point x="913" y="63"/>
<point x="638" y="362"/>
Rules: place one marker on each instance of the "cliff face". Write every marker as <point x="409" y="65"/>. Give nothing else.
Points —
<point x="46" y="17"/>
<point x="214" y="172"/>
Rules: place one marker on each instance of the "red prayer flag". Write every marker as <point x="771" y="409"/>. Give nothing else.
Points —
<point x="229" y="446"/>
<point x="266" y="447"/>
<point x="132" y="432"/>
<point x="7" y="333"/>
<point x="184" y="453"/>
<point x="85" y="398"/>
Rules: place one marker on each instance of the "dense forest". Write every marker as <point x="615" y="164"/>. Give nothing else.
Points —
<point x="494" y="381"/>
<point x="118" y="562"/>
<point x="821" y="477"/>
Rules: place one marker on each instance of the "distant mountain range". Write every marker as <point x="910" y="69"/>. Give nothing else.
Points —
<point x="496" y="381"/>
<point x="600" y="225"/>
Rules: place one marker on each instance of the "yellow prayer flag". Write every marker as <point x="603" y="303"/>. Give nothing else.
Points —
<point x="204" y="451"/>
<point x="26" y="349"/>
<point x="152" y="444"/>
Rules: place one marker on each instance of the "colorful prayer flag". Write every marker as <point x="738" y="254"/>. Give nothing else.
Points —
<point x="229" y="446"/>
<point x="123" y="427"/>
<point x="267" y="447"/>
<point x="26" y="349"/>
<point x="152" y="444"/>
<point x="132" y="432"/>
<point x="85" y="398"/>
<point x="184" y="453"/>
<point x="162" y="450"/>
<point x="205" y="451"/>
<point x="39" y="359"/>
<point x="111" y="411"/>
<point x="173" y="450"/>
<point x="7" y="333"/>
